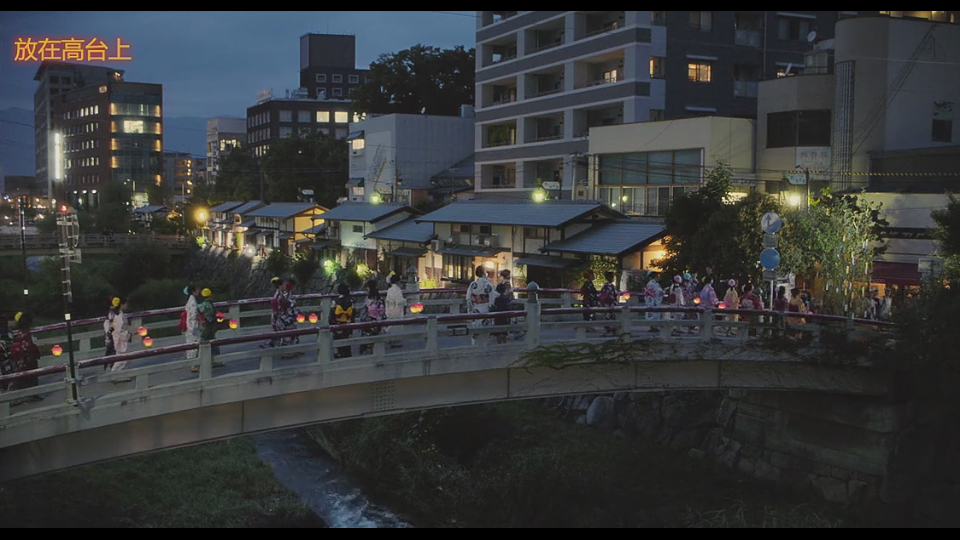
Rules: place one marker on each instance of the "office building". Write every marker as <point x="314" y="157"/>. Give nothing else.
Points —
<point x="56" y="78"/>
<point x="328" y="66"/>
<point x="279" y="118"/>
<point x="112" y="132"/>
<point x="181" y="170"/>
<point x="223" y="135"/>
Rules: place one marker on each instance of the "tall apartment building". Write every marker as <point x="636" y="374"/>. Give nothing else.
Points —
<point x="180" y="173"/>
<point x="223" y="135"/>
<point x="112" y="132"/>
<point x="278" y="118"/>
<point x="544" y="78"/>
<point x="56" y="78"/>
<point x="328" y="66"/>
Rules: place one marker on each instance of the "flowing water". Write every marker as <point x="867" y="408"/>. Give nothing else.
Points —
<point x="301" y="467"/>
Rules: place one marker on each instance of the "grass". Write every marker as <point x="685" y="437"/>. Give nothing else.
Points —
<point x="519" y="465"/>
<point x="220" y="484"/>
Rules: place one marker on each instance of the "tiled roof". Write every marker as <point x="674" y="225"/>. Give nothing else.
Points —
<point x="283" y="210"/>
<point x="245" y="208"/>
<point x="150" y="209"/>
<point x="611" y="238"/>
<point x="552" y="214"/>
<point x="226" y="207"/>
<point x="406" y="231"/>
<point x="364" y="212"/>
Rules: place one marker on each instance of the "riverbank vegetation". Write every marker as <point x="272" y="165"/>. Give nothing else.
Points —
<point x="221" y="484"/>
<point x="520" y="465"/>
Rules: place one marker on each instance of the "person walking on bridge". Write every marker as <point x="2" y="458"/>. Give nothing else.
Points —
<point x="121" y="333"/>
<point x="396" y="304"/>
<point x="480" y="296"/>
<point x="275" y="309"/>
<point x="342" y="313"/>
<point x="109" y="348"/>
<point x="190" y="319"/>
<point x="25" y="353"/>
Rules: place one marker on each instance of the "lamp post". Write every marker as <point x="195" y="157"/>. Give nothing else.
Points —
<point x="23" y="248"/>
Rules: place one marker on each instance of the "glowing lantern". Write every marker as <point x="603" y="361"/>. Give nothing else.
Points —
<point x="220" y="317"/>
<point x="696" y="300"/>
<point x="301" y="318"/>
<point x="314" y="318"/>
<point x="148" y="342"/>
<point x="234" y="324"/>
<point x="625" y="297"/>
<point x="416" y="308"/>
<point x="721" y="305"/>
<point x="57" y="350"/>
<point x="142" y="331"/>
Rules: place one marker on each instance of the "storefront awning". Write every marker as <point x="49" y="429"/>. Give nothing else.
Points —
<point x="408" y="252"/>
<point x="303" y="241"/>
<point x="559" y="263"/>
<point x="891" y="273"/>
<point x="471" y="251"/>
<point x="355" y="135"/>
<point x="248" y="224"/>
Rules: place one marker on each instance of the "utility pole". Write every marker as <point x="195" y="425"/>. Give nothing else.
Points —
<point x="69" y="233"/>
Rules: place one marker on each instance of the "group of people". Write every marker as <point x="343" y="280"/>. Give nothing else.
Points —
<point x="18" y="351"/>
<point x="376" y="307"/>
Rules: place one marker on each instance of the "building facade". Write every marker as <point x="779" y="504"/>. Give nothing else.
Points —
<point x="394" y="157"/>
<point x="55" y="78"/>
<point x="279" y="118"/>
<point x="883" y="89"/>
<point x="179" y="172"/>
<point x="112" y="132"/>
<point x="328" y="66"/>
<point x="639" y="168"/>
<point x="223" y="135"/>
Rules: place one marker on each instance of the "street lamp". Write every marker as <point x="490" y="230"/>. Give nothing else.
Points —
<point x="539" y="196"/>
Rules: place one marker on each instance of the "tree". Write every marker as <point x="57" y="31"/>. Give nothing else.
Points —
<point x="947" y="234"/>
<point x="707" y="229"/>
<point x="440" y="80"/>
<point x="160" y="195"/>
<point x="832" y="245"/>
<point x="239" y="176"/>
<point x="312" y="161"/>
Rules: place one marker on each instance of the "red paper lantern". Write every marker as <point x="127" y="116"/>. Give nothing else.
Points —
<point x="234" y="324"/>
<point x="57" y="350"/>
<point x="220" y="317"/>
<point x="721" y="305"/>
<point x="148" y="342"/>
<point x="301" y="318"/>
<point x="625" y="296"/>
<point x="696" y="300"/>
<point x="416" y="308"/>
<point x="142" y="331"/>
<point x="314" y="318"/>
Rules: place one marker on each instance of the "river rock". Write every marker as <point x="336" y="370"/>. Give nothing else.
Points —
<point x="602" y="413"/>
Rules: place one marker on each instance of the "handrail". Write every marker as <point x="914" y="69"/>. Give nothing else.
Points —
<point x="418" y="320"/>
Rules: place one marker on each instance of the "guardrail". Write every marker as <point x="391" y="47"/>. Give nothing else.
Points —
<point x="461" y="332"/>
<point x="50" y="241"/>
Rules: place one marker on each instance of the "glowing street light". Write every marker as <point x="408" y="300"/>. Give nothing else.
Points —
<point x="376" y="198"/>
<point x="539" y="196"/>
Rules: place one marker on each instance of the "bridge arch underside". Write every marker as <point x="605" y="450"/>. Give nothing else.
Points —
<point x="133" y="423"/>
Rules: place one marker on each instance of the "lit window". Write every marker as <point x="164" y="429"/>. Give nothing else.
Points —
<point x="134" y="126"/>
<point x="699" y="71"/>
<point x="96" y="109"/>
<point x="341" y="117"/>
<point x="323" y="116"/>
<point x="357" y="144"/>
<point x="357" y="117"/>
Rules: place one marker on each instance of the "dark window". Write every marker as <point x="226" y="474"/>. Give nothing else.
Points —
<point x="456" y="268"/>
<point x="781" y="129"/>
<point x="701" y="20"/>
<point x="358" y="229"/>
<point x="793" y="29"/>
<point x="460" y="228"/>
<point x="485" y="229"/>
<point x="798" y="128"/>
<point x="943" y="131"/>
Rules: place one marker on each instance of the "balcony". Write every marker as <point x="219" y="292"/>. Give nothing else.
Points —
<point x="537" y="172"/>
<point x="497" y="135"/>
<point x="599" y="70"/>
<point x="747" y="89"/>
<point x="601" y="115"/>
<point x="498" y="51"/>
<point x="545" y="36"/>
<point x="747" y="38"/>
<point x="545" y="83"/>
<point x="498" y="176"/>
<point x="603" y="22"/>
<point x="543" y="128"/>
<point x="493" y="17"/>
<point x="498" y="93"/>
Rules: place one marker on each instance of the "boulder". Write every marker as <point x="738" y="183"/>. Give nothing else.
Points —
<point x="832" y="489"/>
<point x="602" y="413"/>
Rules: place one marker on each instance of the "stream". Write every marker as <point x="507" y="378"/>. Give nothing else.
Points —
<point x="300" y="466"/>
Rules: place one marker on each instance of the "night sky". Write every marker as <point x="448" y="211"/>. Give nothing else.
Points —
<point x="214" y="63"/>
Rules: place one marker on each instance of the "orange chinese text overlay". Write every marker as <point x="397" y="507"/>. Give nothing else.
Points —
<point x="73" y="49"/>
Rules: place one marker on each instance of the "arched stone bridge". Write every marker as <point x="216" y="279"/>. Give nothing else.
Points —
<point x="419" y="362"/>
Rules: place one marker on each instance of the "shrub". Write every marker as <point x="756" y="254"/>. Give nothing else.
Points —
<point x="158" y="294"/>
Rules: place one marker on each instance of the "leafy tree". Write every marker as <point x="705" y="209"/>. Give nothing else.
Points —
<point x="947" y="234"/>
<point x="276" y="262"/>
<point x="304" y="267"/>
<point x="440" y="80"/>
<point x="312" y="161"/>
<point x="114" y="213"/>
<point x="832" y="244"/>
<point x="239" y="176"/>
<point x="706" y="229"/>
<point x="161" y="195"/>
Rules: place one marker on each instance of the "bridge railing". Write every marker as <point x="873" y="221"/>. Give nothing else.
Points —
<point x="252" y="315"/>
<point x="51" y="241"/>
<point x="166" y="368"/>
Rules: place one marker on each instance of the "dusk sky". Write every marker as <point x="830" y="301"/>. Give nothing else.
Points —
<point x="213" y="63"/>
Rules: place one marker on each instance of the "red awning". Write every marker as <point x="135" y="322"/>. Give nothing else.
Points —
<point x="892" y="273"/>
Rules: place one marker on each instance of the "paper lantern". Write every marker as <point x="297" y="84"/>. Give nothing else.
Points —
<point x="234" y="324"/>
<point x="625" y="297"/>
<point x="314" y="318"/>
<point x="142" y="331"/>
<point x="721" y="305"/>
<point x="301" y="318"/>
<point x="57" y="350"/>
<point x="220" y="317"/>
<point x="696" y="301"/>
<point x="148" y="342"/>
<point x="416" y="308"/>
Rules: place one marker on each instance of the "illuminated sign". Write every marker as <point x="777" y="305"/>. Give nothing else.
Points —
<point x="73" y="49"/>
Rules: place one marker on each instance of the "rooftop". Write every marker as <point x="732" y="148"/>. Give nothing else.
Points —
<point x="226" y="207"/>
<point x="365" y="212"/>
<point x="50" y="64"/>
<point x="552" y="214"/>
<point x="246" y="207"/>
<point x="150" y="209"/>
<point x="284" y="210"/>
<point x="616" y="238"/>
<point x="406" y="231"/>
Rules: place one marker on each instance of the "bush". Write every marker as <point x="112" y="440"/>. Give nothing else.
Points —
<point x="138" y="263"/>
<point x="158" y="294"/>
<point x="277" y="263"/>
<point x="303" y="269"/>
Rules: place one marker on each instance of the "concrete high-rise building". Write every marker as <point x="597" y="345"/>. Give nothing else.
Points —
<point x="274" y="118"/>
<point x="328" y="66"/>
<point x="223" y="135"/>
<point x="56" y="78"/>
<point x="111" y="132"/>
<point x="544" y="78"/>
<point x="180" y="171"/>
